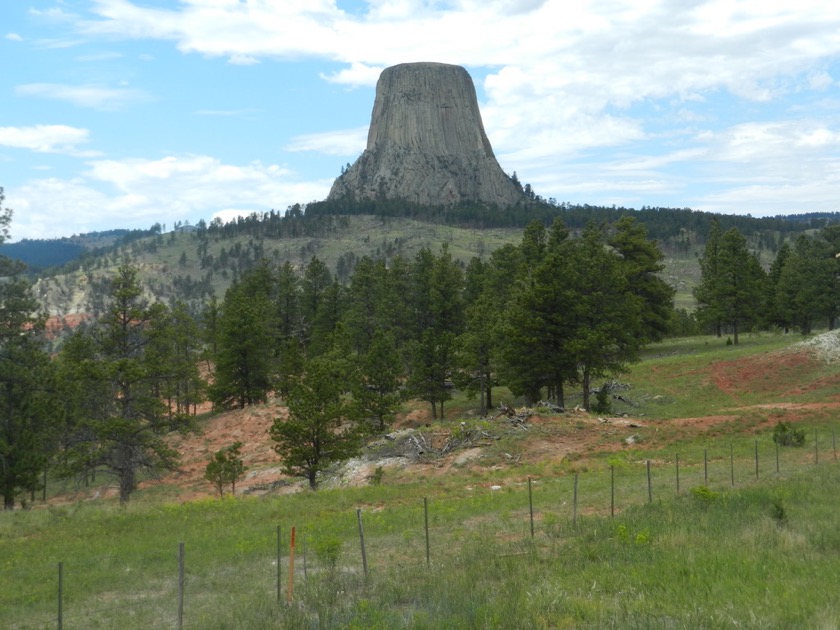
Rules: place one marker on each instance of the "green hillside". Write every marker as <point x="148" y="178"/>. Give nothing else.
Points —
<point x="700" y="520"/>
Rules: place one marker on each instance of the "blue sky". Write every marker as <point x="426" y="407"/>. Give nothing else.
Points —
<point x="123" y="113"/>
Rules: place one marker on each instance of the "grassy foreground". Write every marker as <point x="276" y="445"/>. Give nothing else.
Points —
<point x="761" y="556"/>
<point x="762" y="552"/>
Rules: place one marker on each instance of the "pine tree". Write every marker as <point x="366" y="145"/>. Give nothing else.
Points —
<point x="244" y="362"/>
<point x="123" y="421"/>
<point x="537" y="326"/>
<point x="376" y="388"/>
<point x="707" y="291"/>
<point x="439" y="316"/>
<point x="607" y="314"/>
<point x="322" y="427"/>
<point x="226" y="467"/>
<point x="642" y="263"/>
<point x="740" y="285"/>
<point x="777" y="308"/>
<point x="29" y="409"/>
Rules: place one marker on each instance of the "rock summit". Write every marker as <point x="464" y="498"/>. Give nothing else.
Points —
<point x="426" y="143"/>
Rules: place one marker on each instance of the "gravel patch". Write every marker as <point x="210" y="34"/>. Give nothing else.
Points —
<point x="825" y="346"/>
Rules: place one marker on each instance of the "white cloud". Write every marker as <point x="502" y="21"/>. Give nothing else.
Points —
<point x="357" y="74"/>
<point x="14" y="37"/>
<point x="45" y="138"/>
<point x="136" y="193"/>
<point x="92" y="96"/>
<point x="592" y="53"/>
<point x="820" y="80"/>
<point x="774" y="198"/>
<point x="346" y="142"/>
<point x="587" y="98"/>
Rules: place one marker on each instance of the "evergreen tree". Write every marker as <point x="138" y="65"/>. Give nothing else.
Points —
<point x="607" y="313"/>
<point x="245" y="361"/>
<point x="315" y="287"/>
<point x="538" y="327"/>
<point x="574" y="316"/>
<point x="322" y="427"/>
<point x="475" y="346"/>
<point x="225" y="468"/>
<point x="831" y="270"/>
<point x="439" y="314"/>
<point x="740" y="285"/>
<point x="707" y="291"/>
<point x="175" y="347"/>
<point x="365" y="311"/>
<point x="29" y="410"/>
<point x="29" y="414"/>
<point x="376" y="389"/>
<point x="287" y="304"/>
<point x="805" y="289"/>
<point x="642" y="263"/>
<point x="778" y="312"/>
<point x="125" y="422"/>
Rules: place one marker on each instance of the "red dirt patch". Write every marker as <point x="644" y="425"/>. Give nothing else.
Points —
<point x="762" y="373"/>
<point x="249" y="426"/>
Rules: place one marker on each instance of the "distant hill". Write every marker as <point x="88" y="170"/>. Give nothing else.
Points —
<point x="41" y="254"/>
<point x="192" y="266"/>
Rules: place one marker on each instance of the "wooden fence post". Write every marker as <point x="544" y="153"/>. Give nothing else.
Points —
<point x="362" y="540"/>
<point x="180" y="585"/>
<point x="426" y="525"/>
<point x="531" y="506"/>
<point x="279" y="567"/>
<point x="732" y="463"/>
<point x="816" y="448"/>
<point x="291" y="592"/>
<point x="678" y="473"/>
<point x="60" y="595"/>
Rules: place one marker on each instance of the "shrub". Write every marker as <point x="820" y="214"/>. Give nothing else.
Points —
<point x="786" y="435"/>
<point x="376" y="477"/>
<point x="778" y="512"/>
<point x="602" y="403"/>
<point x="226" y="467"/>
<point x="704" y="494"/>
<point x="328" y="550"/>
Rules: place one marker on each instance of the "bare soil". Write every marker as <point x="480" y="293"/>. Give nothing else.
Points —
<point x="549" y="438"/>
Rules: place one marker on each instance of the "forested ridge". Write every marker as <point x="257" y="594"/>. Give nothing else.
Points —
<point x="671" y="227"/>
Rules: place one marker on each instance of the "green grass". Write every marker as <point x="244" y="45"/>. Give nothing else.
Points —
<point x="759" y="553"/>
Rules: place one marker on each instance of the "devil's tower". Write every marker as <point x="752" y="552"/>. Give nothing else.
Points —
<point x="426" y="143"/>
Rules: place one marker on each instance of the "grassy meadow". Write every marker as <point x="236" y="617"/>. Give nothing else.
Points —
<point x="516" y="540"/>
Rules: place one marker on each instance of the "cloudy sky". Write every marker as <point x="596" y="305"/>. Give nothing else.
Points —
<point x="123" y="113"/>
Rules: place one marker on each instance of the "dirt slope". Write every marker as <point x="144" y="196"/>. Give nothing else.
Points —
<point x="548" y="438"/>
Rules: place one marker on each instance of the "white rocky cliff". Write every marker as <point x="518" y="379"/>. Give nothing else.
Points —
<point x="427" y="144"/>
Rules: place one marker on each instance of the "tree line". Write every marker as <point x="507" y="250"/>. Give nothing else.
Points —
<point x="799" y="291"/>
<point x="558" y="311"/>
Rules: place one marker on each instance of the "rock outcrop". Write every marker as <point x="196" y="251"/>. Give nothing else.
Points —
<point x="427" y="144"/>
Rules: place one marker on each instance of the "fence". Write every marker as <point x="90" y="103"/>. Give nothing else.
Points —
<point x="167" y="600"/>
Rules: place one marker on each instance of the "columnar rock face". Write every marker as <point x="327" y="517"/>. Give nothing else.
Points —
<point x="427" y="144"/>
